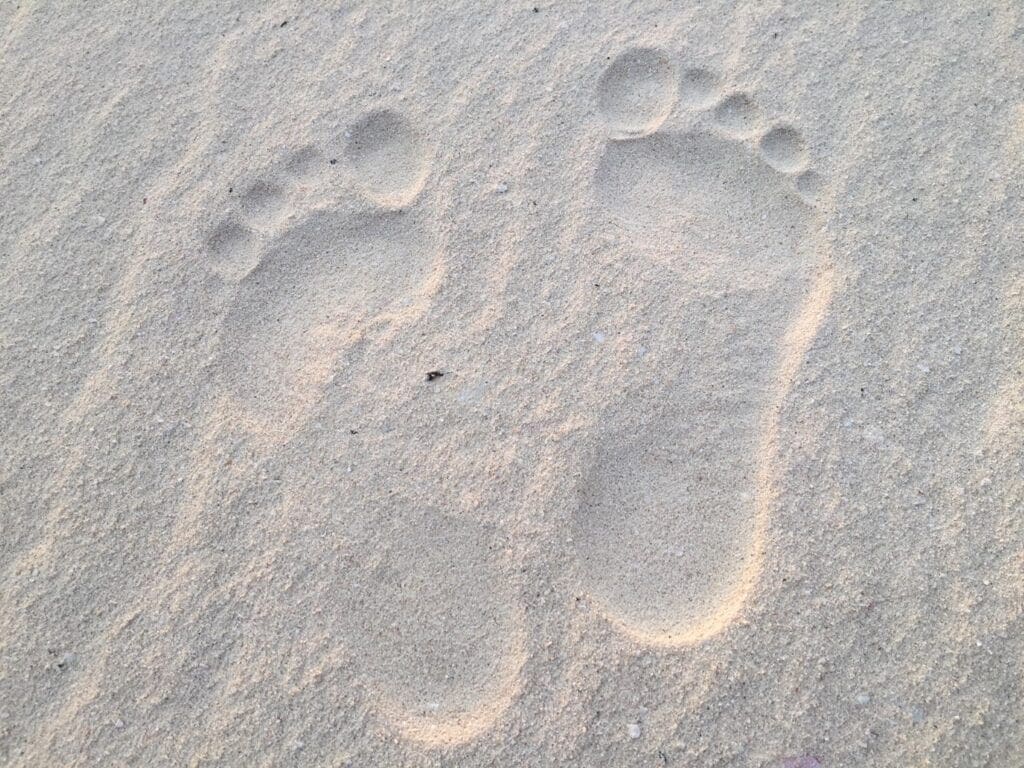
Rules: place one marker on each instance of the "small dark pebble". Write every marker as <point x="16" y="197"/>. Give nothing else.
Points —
<point x="431" y="375"/>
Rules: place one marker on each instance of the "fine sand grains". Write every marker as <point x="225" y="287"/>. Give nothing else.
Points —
<point x="621" y="384"/>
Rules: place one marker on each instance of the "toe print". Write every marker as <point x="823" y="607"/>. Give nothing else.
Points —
<point x="784" y="149"/>
<point x="689" y="484"/>
<point x="389" y="158"/>
<point x="637" y="92"/>
<point x="737" y="114"/>
<point x="264" y="201"/>
<point x="697" y="89"/>
<point x="232" y="250"/>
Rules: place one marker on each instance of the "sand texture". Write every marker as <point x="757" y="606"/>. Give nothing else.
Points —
<point x="512" y="384"/>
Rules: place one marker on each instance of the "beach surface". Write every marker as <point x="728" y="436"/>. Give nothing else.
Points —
<point x="512" y="384"/>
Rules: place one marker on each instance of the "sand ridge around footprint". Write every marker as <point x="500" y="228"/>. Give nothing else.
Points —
<point x="669" y="530"/>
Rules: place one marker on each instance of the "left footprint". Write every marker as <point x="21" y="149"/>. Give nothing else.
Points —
<point x="428" y="614"/>
<point x="303" y="284"/>
<point x="433" y="624"/>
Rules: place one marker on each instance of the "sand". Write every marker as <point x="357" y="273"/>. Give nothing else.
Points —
<point x="512" y="384"/>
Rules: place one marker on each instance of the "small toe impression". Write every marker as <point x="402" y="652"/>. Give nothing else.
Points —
<point x="810" y="185"/>
<point x="784" y="149"/>
<point x="698" y="88"/>
<point x="264" y="201"/>
<point x="737" y="114"/>
<point x="637" y="92"/>
<point x="304" y="163"/>
<point x="232" y="250"/>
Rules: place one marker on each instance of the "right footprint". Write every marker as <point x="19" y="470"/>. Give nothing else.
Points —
<point x="669" y="531"/>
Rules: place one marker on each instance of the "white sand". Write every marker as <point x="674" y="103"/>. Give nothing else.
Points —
<point x="725" y="465"/>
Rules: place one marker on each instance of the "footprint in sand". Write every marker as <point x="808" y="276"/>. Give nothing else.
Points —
<point x="424" y="609"/>
<point x="672" y="510"/>
<point x="433" y="624"/>
<point x="309" y="269"/>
